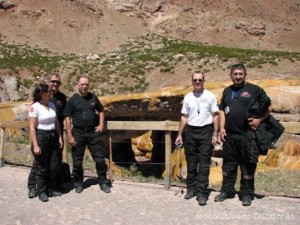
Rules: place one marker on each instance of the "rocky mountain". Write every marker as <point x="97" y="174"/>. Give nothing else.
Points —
<point x="95" y="26"/>
<point x="122" y="43"/>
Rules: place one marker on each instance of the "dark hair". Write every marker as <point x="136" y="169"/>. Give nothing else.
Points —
<point x="83" y="76"/>
<point x="39" y="89"/>
<point x="53" y="74"/>
<point x="198" y="71"/>
<point x="238" y="66"/>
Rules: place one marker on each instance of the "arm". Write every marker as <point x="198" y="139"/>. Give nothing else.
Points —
<point x="216" y="128"/>
<point x="255" y="122"/>
<point x="32" y="126"/>
<point x="69" y="131"/>
<point x="100" y="127"/>
<point x="182" y="125"/>
<point x="58" y="130"/>
<point x="222" y="125"/>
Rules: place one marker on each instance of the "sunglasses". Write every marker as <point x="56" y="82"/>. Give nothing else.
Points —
<point x="55" y="81"/>
<point x="198" y="80"/>
<point x="235" y="74"/>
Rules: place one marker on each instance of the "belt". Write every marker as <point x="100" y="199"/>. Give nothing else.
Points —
<point x="85" y="129"/>
<point x="196" y="127"/>
<point x="45" y="131"/>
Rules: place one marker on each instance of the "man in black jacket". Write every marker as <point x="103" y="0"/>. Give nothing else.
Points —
<point x="85" y="112"/>
<point x="240" y="146"/>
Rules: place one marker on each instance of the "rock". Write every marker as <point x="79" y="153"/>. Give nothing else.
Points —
<point x="112" y="55"/>
<point x="285" y="99"/>
<point x="178" y="56"/>
<point x="281" y="160"/>
<point x="32" y="13"/>
<point x="286" y="156"/>
<point x="178" y="165"/>
<point x="21" y="111"/>
<point x="142" y="145"/>
<point x="125" y="7"/>
<point x="251" y="28"/>
<point x="291" y="147"/>
<point x="12" y="86"/>
<point x="93" y="57"/>
<point x="7" y="5"/>
<point x="151" y="7"/>
<point x="88" y="8"/>
<point x="4" y="97"/>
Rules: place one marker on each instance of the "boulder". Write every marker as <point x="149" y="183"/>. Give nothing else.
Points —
<point x="7" y="5"/>
<point x="142" y="145"/>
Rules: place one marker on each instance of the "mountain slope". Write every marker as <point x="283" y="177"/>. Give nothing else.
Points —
<point x="91" y="26"/>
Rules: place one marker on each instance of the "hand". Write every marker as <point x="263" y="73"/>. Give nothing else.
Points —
<point x="223" y="135"/>
<point x="178" y="140"/>
<point x="61" y="143"/>
<point x="72" y="141"/>
<point x="253" y="123"/>
<point x="214" y="139"/>
<point x="37" y="150"/>
<point x="99" y="128"/>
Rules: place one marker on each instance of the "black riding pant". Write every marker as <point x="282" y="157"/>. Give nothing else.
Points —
<point x="90" y="139"/>
<point x="198" y="151"/>
<point x="237" y="152"/>
<point x="41" y="175"/>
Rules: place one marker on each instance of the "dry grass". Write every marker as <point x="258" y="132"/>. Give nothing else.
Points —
<point x="281" y="182"/>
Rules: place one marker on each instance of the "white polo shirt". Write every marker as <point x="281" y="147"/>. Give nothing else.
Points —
<point x="200" y="108"/>
<point x="45" y="118"/>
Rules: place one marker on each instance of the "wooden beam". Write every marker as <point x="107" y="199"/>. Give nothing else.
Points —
<point x="291" y="127"/>
<point x="168" y="150"/>
<point x="143" y="125"/>
<point x="110" y="158"/>
<point x="14" y="124"/>
<point x="1" y="146"/>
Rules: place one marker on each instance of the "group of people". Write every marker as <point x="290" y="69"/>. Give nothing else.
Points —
<point x="46" y="118"/>
<point x="231" y="122"/>
<point x="203" y="121"/>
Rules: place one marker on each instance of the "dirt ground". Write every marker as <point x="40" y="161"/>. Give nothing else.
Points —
<point x="133" y="203"/>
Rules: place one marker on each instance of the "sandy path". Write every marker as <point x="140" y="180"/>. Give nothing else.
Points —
<point x="133" y="203"/>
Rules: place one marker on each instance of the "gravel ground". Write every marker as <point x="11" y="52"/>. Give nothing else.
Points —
<point x="133" y="203"/>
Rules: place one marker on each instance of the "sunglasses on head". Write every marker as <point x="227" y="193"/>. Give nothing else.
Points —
<point x="55" y="81"/>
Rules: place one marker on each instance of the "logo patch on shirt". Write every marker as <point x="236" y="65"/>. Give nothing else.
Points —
<point x="245" y="94"/>
<point x="31" y="109"/>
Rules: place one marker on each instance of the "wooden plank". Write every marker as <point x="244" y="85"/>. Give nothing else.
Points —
<point x="291" y="127"/>
<point x="110" y="158"/>
<point x="14" y="124"/>
<point x="168" y="147"/>
<point x="1" y="146"/>
<point x="143" y="125"/>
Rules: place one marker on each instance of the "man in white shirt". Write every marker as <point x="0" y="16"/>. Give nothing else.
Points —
<point x="200" y="117"/>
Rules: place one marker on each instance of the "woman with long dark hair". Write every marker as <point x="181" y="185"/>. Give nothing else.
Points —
<point x="46" y="138"/>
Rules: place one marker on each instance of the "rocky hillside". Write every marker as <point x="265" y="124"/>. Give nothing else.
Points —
<point x="137" y="45"/>
<point x="94" y="26"/>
